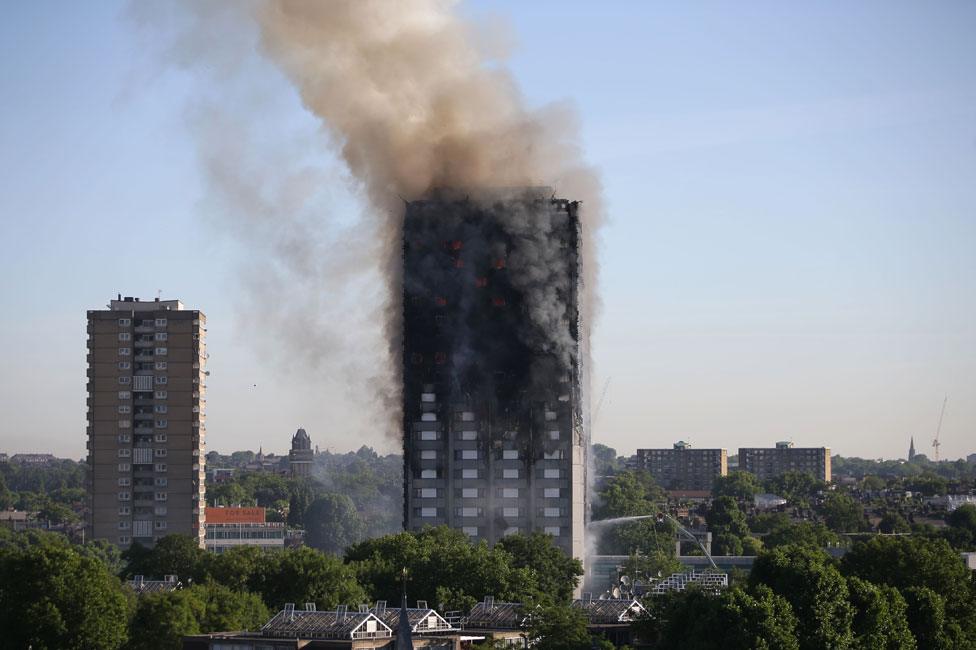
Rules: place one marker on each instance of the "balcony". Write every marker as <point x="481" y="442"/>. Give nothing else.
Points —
<point x="145" y="344"/>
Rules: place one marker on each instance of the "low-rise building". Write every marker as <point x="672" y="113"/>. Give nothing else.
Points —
<point x="683" y="467"/>
<point x="770" y="462"/>
<point x="229" y="527"/>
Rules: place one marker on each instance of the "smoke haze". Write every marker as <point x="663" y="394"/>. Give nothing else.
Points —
<point x="410" y="97"/>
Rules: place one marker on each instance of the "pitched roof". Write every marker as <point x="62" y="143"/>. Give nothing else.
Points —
<point x="494" y="615"/>
<point x="291" y="623"/>
<point x="612" y="610"/>
<point x="423" y="620"/>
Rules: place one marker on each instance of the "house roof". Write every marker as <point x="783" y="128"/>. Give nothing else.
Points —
<point x="291" y="623"/>
<point x="423" y="620"/>
<point x="142" y="586"/>
<point x="614" y="610"/>
<point x="494" y="615"/>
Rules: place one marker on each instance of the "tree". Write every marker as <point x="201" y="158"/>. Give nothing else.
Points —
<point x="736" y="619"/>
<point x="798" y="488"/>
<point x="880" y="617"/>
<point x="178" y="555"/>
<point x="555" y="573"/>
<point x="893" y="522"/>
<point x="627" y="494"/>
<point x="225" y="609"/>
<point x="739" y="485"/>
<point x="557" y="627"/>
<point x="927" y="619"/>
<point x="843" y="514"/>
<point x="802" y="533"/>
<point x="53" y="597"/>
<point x="644" y="536"/>
<point x="304" y="575"/>
<point x="655" y="565"/>
<point x="728" y="526"/>
<point x="299" y="501"/>
<point x="332" y="523"/>
<point x="162" y="619"/>
<point x="605" y="461"/>
<point x="814" y="588"/>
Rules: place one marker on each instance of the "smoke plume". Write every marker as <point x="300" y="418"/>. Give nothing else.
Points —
<point x="411" y="99"/>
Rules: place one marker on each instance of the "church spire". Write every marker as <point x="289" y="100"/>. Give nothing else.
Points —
<point x="911" y="450"/>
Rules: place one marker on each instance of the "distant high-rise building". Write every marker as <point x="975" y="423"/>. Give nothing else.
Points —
<point x="300" y="457"/>
<point x="146" y="421"/>
<point x="767" y="462"/>
<point x="493" y="432"/>
<point x="683" y="467"/>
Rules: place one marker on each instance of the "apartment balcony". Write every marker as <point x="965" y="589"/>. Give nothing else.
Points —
<point x="145" y="329"/>
<point x="144" y="358"/>
<point x="145" y="344"/>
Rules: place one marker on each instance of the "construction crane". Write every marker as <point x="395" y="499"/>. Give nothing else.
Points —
<point x="935" y="443"/>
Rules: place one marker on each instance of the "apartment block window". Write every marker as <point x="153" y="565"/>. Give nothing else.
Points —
<point x="159" y="511"/>
<point x="124" y="394"/>
<point x="125" y="380"/>
<point x="143" y="383"/>
<point x="510" y="454"/>
<point x="125" y="496"/>
<point x="124" y="322"/>
<point x="160" y="453"/>
<point x="554" y="435"/>
<point x="427" y="397"/>
<point x="510" y="512"/>
<point x="510" y="473"/>
<point x="470" y="531"/>
<point x="552" y="530"/>
<point x="160" y="467"/>
<point x="550" y="416"/>
<point x="429" y="435"/>
<point x="124" y="352"/>
<point x="161" y="352"/>
<point x="124" y="524"/>
<point x="123" y="539"/>
<point x="508" y="493"/>
<point x="142" y="529"/>
<point x="125" y="453"/>
<point x="428" y="454"/>
<point x="467" y="435"/>
<point x="467" y="416"/>
<point x="428" y="417"/>
<point x="550" y="473"/>
<point x="428" y="512"/>
<point x="162" y="424"/>
<point x="160" y="365"/>
<point x="160" y="336"/>
<point x="125" y="336"/>
<point x="125" y="408"/>
<point x="125" y="424"/>
<point x="161" y="496"/>
<point x="469" y="493"/>
<point x="143" y="456"/>
<point x="124" y="467"/>
<point x="551" y="512"/>
<point x="468" y="512"/>
<point x="160" y="525"/>
<point x="161" y="380"/>
<point x="469" y="473"/>
<point x="161" y="394"/>
<point x="160" y="322"/>
<point x="550" y="493"/>
<point x="427" y="493"/>
<point x="161" y="481"/>
<point x="160" y="437"/>
<point x="466" y="454"/>
<point x="160" y="408"/>
<point x="556" y="454"/>
<point x="124" y="365"/>
<point x="125" y="510"/>
<point x="124" y="482"/>
<point x="428" y="473"/>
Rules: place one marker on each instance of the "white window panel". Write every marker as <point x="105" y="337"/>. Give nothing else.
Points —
<point x="125" y="452"/>
<point x="160" y="525"/>
<point x="428" y="454"/>
<point x="142" y="382"/>
<point x="469" y="493"/>
<point x="469" y="473"/>
<point x="125" y="380"/>
<point x="551" y="492"/>
<point x="550" y="473"/>
<point x="160" y="437"/>
<point x="161" y="481"/>
<point x="162" y="424"/>
<point x="428" y="473"/>
<point x="510" y="493"/>
<point x="510" y="454"/>
<point x="161" y="322"/>
<point x="510" y="512"/>
<point x="125" y="336"/>
<point x="468" y="435"/>
<point x="124" y="394"/>
<point x="467" y="416"/>
<point x="141" y="528"/>
<point x="510" y="473"/>
<point x="160" y="467"/>
<point x="550" y="512"/>
<point x="124" y="482"/>
<point x="159" y="511"/>
<point x="428" y="417"/>
<point x="124" y="365"/>
<point x="161" y="496"/>
<point x="469" y="454"/>
<point x="124" y="322"/>
<point x="123" y="539"/>
<point x="125" y="408"/>
<point x="161" y="394"/>
<point x="428" y="435"/>
<point x="124" y="524"/>
<point x="160" y="365"/>
<point x="125" y="510"/>
<point x="469" y="512"/>
<point x="427" y="397"/>
<point x="554" y="435"/>
<point x="428" y="493"/>
<point x="428" y="512"/>
<point x="159" y="336"/>
<point x="125" y="496"/>
<point x="142" y="455"/>
<point x="160" y="408"/>
<point x="161" y="379"/>
<point x="552" y="530"/>
<point x="159" y="453"/>
<point x="161" y="352"/>
<point x="125" y="424"/>
<point x="124" y="467"/>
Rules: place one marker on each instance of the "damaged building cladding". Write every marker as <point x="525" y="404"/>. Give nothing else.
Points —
<point x="495" y="435"/>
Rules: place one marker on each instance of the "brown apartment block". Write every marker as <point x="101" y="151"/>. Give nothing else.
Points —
<point x="682" y="467"/>
<point x="767" y="462"/>
<point x="146" y="430"/>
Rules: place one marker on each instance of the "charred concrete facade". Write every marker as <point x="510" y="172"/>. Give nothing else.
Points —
<point x="146" y="421"/>
<point x="495" y="440"/>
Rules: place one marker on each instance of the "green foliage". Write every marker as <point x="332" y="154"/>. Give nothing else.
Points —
<point x="554" y="573"/>
<point x="736" y="619"/>
<point x="880" y="617"/>
<point x="739" y="485"/>
<point x="332" y="523"/>
<point x="653" y="565"/>
<point x="225" y="609"/>
<point x="605" y="460"/>
<point x="802" y="533"/>
<point x="304" y="575"/>
<point x="893" y="522"/>
<point x="927" y="620"/>
<point x="178" y="555"/>
<point x="557" y="627"/>
<point x="444" y="567"/>
<point x="798" y="488"/>
<point x="843" y="514"/>
<point x="644" y="536"/>
<point x="961" y="530"/>
<point x="162" y="619"/>
<point x="815" y="589"/>
<point x="911" y="562"/>
<point x="53" y="597"/>
<point x="627" y="494"/>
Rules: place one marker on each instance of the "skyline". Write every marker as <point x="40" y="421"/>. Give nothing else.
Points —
<point x="791" y="251"/>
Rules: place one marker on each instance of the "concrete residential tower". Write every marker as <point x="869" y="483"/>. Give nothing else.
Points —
<point x="146" y="429"/>
<point x="494" y="436"/>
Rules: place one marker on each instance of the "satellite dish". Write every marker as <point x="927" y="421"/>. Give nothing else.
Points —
<point x="625" y="580"/>
<point x="603" y="596"/>
<point x="616" y="592"/>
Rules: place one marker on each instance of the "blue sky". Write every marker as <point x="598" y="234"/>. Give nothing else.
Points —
<point x="791" y="252"/>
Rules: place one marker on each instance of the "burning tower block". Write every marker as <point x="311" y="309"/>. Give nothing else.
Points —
<point x="495" y="437"/>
